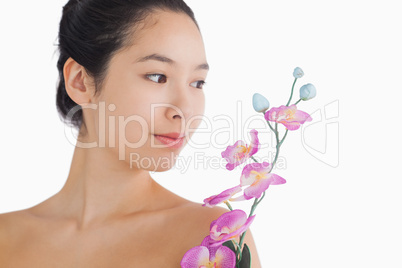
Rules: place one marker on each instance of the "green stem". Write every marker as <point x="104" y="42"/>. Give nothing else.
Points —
<point x="277" y="145"/>
<point x="276" y="157"/>
<point x="284" y="136"/>
<point x="291" y="94"/>
<point x="298" y="101"/>
<point x="255" y="204"/>
<point x="241" y="242"/>
<point x="252" y="157"/>
<point x="262" y="197"/>
<point x="238" y="252"/>
<point x="253" y="207"/>
<point x="269" y="124"/>
<point x="229" y="206"/>
<point x="276" y="133"/>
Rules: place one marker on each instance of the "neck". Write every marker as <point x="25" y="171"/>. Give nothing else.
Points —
<point x="100" y="187"/>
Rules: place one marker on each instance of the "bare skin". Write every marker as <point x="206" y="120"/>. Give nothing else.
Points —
<point x="111" y="213"/>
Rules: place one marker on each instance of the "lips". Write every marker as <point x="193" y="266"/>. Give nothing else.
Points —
<point x="173" y="135"/>
<point x="174" y="140"/>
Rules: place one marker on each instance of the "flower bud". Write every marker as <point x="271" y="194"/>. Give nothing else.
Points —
<point x="298" y="72"/>
<point x="260" y="103"/>
<point x="307" y="92"/>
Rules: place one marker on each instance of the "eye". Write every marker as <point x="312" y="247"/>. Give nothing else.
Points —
<point x="198" y="84"/>
<point x="157" y="78"/>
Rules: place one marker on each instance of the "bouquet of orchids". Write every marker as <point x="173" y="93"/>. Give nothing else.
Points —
<point x="224" y="248"/>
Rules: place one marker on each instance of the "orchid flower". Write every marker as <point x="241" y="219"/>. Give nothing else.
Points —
<point x="222" y="197"/>
<point x="206" y="256"/>
<point x="228" y="226"/>
<point x="240" y="152"/>
<point x="289" y="116"/>
<point x="258" y="176"/>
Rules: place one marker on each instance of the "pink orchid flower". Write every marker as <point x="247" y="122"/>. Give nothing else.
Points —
<point x="228" y="226"/>
<point x="206" y="256"/>
<point x="239" y="152"/>
<point x="222" y="197"/>
<point x="289" y="116"/>
<point x="258" y="177"/>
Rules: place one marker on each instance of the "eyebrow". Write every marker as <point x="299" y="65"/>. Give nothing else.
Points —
<point x="162" y="58"/>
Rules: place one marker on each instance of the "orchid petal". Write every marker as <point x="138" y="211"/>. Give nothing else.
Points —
<point x="277" y="180"/>
<point x="233" y="156"/>
<point x="225" y="258"/>
<point x="239" y="198"/>
<point x="195" y="257"/>
<point x="256" y="189"/>
<point x="258" y="176"/>
<point x="231" y="219"/>
<point x="255" y="144"/>
<point x="222" y="197"/>
<point x="235" y="234"/>
<point x="229" y="226"/>
<point x="206" y="242"/>
<point x="240" y="152"/>
<point x="247" y="178"/>
<point x="260" y="186"/>
<point x="291" y="125"/>
<point x="302" y="117"/>
<point x="289" y="116"/>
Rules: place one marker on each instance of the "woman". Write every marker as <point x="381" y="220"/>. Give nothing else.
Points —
<point x="131" y="74"/>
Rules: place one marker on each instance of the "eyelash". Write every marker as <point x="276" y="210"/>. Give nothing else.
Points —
<point x="155" y="75"/>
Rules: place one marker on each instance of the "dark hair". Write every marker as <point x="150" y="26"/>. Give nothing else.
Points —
<point x="92" y="31"/>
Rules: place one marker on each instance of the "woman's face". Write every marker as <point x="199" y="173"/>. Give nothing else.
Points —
<point x="153" y="87"/>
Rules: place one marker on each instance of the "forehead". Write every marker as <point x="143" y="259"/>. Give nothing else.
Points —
<point x="169" y="33"/>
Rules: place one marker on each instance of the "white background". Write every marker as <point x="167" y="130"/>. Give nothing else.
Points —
<point x="341" y="205"/>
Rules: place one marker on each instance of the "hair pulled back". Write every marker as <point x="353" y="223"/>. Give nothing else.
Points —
<point x="92" y="31"/>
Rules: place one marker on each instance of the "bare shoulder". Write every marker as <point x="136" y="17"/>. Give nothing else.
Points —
<point x="10" y="230"/>
<point x="13" y="216"/>
<point x="4" y="223"/>
<point x="215" y="211"/>
<point x="203" y="216"/>
<point x="199" y="218"/>
<point x="8" y="222"/>
<point x="11" y="223"/>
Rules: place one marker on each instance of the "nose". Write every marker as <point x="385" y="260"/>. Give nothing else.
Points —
<point x="180" y="104"/>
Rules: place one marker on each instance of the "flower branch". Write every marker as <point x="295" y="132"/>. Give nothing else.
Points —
<point x="220" y="248"/>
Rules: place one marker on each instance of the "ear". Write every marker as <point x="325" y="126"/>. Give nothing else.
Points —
<point x="77" y="82"/>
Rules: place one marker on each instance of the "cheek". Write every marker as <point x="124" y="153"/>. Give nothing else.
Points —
<point x="134" y="121"/>
<point x="132" y="100"/>
<point x="127" y="118"/>
<point x="201" y="102"/>
<point x="198" y="112"/>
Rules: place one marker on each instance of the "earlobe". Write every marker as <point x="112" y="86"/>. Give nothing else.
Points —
<point x="74" y="79"/>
